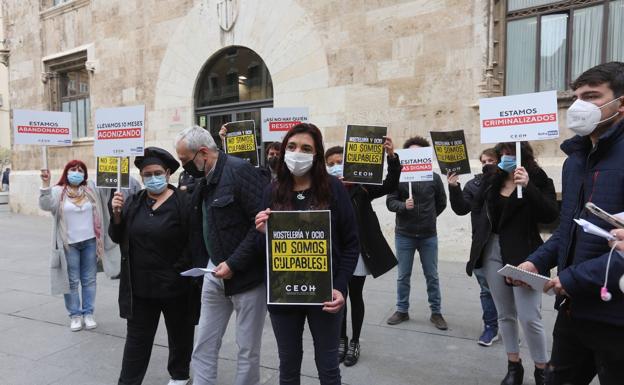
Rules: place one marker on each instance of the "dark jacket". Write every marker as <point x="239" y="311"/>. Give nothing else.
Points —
<point x="429" y="202"/>
<point x="461" y="200"/>
<point x="344" y="238"/>
<point x="376" y="252"/>
<point x="233" y="194"/>
<point x="518" y="223"/>
<point x="120" y="234"/>
<point x="593" y="174"/>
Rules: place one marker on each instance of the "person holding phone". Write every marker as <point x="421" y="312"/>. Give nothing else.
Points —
<point x="304" y="184"/>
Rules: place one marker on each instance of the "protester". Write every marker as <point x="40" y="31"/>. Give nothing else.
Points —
<point x="112" y="263"/>
<point x="376" y="257"/>
<point x="224" y="203"/>
<point x="5" y="179"/>
<point x="272" y="158"/>
<point x="461" y="202"/>
<point x="76" y="240"/>
<point x="505" y="232"/>
<point x="151" y="227"/>
<point x="415" y="229"/>
<point x="589" y="330"/>
<point x="303" y="184"/>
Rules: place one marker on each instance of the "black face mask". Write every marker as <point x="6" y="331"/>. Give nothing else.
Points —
<point x="191" y="168"/>
<point x="490" y="169"/>
<point x="272" y="162"/>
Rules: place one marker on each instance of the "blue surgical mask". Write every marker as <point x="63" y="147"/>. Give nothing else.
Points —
<point x="335" y="170"/>
<point x="75" y="178"/>
<point x="156" y="184"/>
<point x="507" y="163"/>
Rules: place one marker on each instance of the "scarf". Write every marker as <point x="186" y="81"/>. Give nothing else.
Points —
<point x="80" y="197"/>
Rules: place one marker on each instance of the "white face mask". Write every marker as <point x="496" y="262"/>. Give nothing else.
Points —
<point x="583" y="117"/>
<point x="298" y="162"/>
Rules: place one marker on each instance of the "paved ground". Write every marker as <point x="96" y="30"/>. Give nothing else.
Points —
<point x="37" y="347"/>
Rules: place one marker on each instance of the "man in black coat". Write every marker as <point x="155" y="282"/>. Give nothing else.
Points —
<point x="461" y="201"/>
<point x="226" y="198"/>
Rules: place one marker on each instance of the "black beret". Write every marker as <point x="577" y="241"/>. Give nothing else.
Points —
<point x="156" y="155"/>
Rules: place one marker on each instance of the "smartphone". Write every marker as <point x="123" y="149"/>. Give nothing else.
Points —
<point x="605" y="216"/>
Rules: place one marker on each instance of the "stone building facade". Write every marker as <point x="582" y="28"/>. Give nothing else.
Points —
<point x="414" y="66"/>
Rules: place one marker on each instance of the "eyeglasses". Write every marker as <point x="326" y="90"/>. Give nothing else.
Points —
<point x="151" y="174"/>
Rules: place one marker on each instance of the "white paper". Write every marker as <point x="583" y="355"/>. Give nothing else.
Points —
<point x="46" y="128"/>
<point x="519" y="117"/>
<point x="536" y="281"/>
<point x="417" y="164"/>
<point x="119" y="131"/>
<point x="591" y="228"/>
<point x="277" y="121"/>
<point x="196" y="272"/>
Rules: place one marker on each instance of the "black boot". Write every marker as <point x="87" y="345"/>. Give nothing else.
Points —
<point x="540" y="376"/>
<point x="342" y="348"/>
<point x="515" y="374"/>
<point x="353" y="353"/>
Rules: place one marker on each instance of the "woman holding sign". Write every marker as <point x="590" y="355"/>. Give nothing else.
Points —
<point x="303" y="184"/>
<point x="505" y="231"/>
<point x="151" y="230"/>
<point x="78" y="240"/>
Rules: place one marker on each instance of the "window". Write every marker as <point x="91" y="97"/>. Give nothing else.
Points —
<point x="68" y="83"/>
<point x="550" y="43"/>
<point x="234" y="85"/>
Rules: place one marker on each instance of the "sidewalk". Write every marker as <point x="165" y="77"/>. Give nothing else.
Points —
<point x="37" y="347"/>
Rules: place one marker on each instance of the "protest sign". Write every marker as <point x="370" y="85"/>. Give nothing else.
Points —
<point x="451" y="152"/>
<point x="299" y="261"/>
<point x="240" y="140"/>
<point x="417" y="164"/>
<point x="519" y="117"/>
<point x="364" y="154"/>
<point x="276" y="122"/>
<point x="106" y="170"/>
<point x="119" y="131"/>
<point x="46" y="128"/>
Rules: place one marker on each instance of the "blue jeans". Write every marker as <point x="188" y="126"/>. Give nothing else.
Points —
<point x="428" y="251"/>
<point x="82" y="270"/>
<point x="490" y="316"/>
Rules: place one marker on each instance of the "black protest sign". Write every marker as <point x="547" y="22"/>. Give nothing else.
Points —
<point x="450" y="149"/>
<point x="364" y="154"/>
<point x="299" y="263"/>
<point x="240" y="140"/>
<point x="107" y="172"/>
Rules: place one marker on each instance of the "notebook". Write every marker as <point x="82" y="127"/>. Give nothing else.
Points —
<point x="536" y="281"/>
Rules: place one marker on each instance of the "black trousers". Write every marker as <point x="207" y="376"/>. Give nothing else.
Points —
<point x="140" y="338"/>
<point x="288" y="324"/>
<point x="583" y="349"/>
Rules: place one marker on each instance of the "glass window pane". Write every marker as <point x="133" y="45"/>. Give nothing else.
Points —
<point x="586" y="39"/>
<point x="74" y="114"/>
<point x="88" y="116"/>
<point x="615" y="50"/>
<point x="520" y="59"/>
<point x="553" y="52"/>
<point x="82" y="127"/>
<point x="514" y="5"/>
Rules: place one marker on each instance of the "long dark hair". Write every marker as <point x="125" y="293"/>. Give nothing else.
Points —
<point x="283" y="187"/>
<point x="73" y="163"/>
<point x="526" y="151"/>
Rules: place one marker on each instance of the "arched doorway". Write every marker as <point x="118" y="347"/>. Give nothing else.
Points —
<point x="234" y="85"/>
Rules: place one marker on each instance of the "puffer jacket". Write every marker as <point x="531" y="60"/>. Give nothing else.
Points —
<point x="590" y="174"/>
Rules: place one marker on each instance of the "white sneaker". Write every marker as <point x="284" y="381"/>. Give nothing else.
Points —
<point x="90" y="322"/>
<point x="178" y="382"/>
<point x="76" y="323"/>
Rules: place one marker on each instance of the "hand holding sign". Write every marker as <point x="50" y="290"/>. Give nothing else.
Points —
<point x="409" y="203"/>
<point x="117" y="203"/>
<point x="521" y="177"/>
<point x="45" y="178"/>
<point x="336" y="303"/>
<point x="261" y="218"/>
<point x="389" y="146"/>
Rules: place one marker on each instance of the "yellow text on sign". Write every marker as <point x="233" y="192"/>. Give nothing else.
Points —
<point x="109" y="164"/>
<point x="241" y="143"/>
<point x="451" y="153"/>
<point x="299" y="255"/>
<point x="368" y="153"/>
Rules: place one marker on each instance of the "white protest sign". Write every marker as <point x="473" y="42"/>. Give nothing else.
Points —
<point x="119" y="131"/>
<point x="277" y="121"/>
<point x="417" y="164"/>
<point x="46" y="128"/>
<point x="517" y="118"/>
